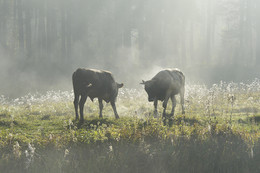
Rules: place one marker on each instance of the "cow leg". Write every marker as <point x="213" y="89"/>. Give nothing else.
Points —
<point x="165" y="105"/>
<point x="114" y="109"/>
<point x="155" y="103"/>
<point x="76" y="104"/>
<point x="100" y="107"/>
<point x="81" y="106"/>
<point x="182" y="100"/>
<point x="173" y="104"/>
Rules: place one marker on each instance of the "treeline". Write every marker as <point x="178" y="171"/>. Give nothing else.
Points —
<point x="129" y="34"/>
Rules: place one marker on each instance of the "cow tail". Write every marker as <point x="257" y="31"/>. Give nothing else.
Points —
<point x="74" y="83"/>
<point x="183" y="81"/>
<point x="73" y="80"/>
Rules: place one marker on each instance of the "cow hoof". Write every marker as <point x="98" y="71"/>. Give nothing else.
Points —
<point x="164" y="105"/>
<point x="164" y="114"/>
<point x="155" y="114"/>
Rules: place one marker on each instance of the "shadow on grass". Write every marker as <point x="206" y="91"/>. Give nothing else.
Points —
<point x="250" y="120"/>
<point x="93" y="123"/>
<point x="9" y="123"/>
<point x="179" y="119"/>
<point x="255" y="119"/>
<point x="246" y="110"/>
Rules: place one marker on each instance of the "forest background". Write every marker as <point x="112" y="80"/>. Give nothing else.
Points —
<point x="44" y="41"/>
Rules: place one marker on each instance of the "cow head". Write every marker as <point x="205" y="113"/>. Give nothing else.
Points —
<point x="149" y="88"/>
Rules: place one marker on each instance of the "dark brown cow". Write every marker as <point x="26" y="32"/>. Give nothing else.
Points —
<point x="164" y="85"/>
<point x="94" y="84"/>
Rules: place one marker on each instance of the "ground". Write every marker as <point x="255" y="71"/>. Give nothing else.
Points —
<point x="219" y="133"/>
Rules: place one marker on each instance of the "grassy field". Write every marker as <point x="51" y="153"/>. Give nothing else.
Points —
<point x="219" y="133"/>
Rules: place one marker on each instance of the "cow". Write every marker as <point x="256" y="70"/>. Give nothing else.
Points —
<point x="94" y="83"/>
<point x="164" y="85"/>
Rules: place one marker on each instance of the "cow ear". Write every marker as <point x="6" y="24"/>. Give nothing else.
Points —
<point x="120" y="85"/>
<point x="143" y="82"/>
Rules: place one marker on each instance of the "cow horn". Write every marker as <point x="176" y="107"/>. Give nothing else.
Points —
<point x="143" y="82"/>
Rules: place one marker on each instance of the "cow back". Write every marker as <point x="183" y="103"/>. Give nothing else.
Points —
<point x="95" y="83"/>
<point x="169" y="80"/>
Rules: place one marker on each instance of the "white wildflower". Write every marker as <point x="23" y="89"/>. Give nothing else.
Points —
<point x="66" y="153"/>
<point x="110" y="148"/>
<point x="16" y="150"/>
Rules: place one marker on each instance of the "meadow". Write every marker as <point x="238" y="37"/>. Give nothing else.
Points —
<point x="219" y="133"/>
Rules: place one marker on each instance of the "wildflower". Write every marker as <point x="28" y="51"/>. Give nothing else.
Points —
<point x="252" y="153"/>
<point x="31" y="149"/>
<point x="26" y="153"/>
<point x="74" y="139"/>
<point x="50" y="136"/>
<point x="66" y="153"/>
<point x="16" y="150"/>
<point x="172" y="142"/>
<point x="231" y="98"/>
<point x="110" y="148"/>
<point x="64" y="124"/>
<point x="12" y="117"/>
<point x="29" y="154"/>
<point x="209" y="128"/>
<point x="70" y="124"/>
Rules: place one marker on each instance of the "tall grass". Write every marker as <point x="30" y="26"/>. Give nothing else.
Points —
<point x="219" y="133"/>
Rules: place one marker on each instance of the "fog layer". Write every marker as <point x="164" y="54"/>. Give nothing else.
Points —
<point x="43" y="41"/>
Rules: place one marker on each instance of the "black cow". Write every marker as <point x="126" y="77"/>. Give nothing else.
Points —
<point x="164" y="85"/>
<point x="94" y="84"/>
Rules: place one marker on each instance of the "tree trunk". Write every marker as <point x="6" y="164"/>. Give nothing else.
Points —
<point x="63" y="34"/>
<point x="241" y="34"/>
<point x="257" y="21"/>
<point x="3" y="21"/>
<point x="191" y="41"/>
<point x="208" y="32"/>
<point x="183" y="44"/>
<point x="28" y="31"/>
<point x="249" y="49"/>
<point x="20" y="25"/>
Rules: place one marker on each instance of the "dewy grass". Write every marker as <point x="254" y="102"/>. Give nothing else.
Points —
<point x="38" y="133"/>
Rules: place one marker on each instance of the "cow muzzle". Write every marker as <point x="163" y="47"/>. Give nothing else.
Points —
<point x="150" y="99"/>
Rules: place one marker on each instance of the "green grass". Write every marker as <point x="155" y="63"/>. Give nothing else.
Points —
<point x="34" y="127"/>
<point x="215" y="135"/>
